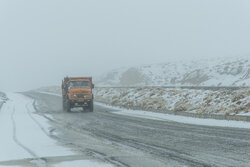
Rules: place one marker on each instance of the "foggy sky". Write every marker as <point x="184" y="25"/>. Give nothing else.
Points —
<point x="43" y="41"/>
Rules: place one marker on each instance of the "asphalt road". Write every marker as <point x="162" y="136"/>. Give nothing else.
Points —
<point x="126" y="141"/>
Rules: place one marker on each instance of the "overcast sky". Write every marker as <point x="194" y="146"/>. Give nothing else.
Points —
<point x="43" y="40"/>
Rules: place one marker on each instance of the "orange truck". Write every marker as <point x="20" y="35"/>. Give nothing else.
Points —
<point x="77" y="92"/>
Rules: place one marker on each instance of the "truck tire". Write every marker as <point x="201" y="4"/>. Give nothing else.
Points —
<point x="91" y="106"/>
<point x="68" y="107"/>
<point x="64" y="104"/>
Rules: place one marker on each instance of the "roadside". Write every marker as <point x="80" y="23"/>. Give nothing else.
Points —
<point x="195" y="119"/>
<point x="27" y="139"/>
<point x="221" y="104"/>
<point x="177" y="118"/>
<point x="218" y="104"/>
<point x="134" y="140"/>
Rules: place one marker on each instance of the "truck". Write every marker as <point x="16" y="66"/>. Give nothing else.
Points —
<point x="77" y="92"/>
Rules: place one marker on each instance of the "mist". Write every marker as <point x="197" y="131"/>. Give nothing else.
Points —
<point x="43" y="41"/>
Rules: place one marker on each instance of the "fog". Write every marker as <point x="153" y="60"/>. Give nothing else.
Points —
<point x="43" y="41"/>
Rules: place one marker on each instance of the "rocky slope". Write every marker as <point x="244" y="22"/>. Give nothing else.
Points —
<point x="225" y="102"/>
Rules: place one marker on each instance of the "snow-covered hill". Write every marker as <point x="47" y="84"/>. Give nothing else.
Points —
<point x="212" y="72"/>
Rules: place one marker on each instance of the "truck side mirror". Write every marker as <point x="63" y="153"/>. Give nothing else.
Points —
<point x="93" y="86"/>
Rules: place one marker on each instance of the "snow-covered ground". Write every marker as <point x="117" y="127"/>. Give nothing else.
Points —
<point x="21" y="132"/>
<point x="25" y="136"/>
<point x="51" y="89"/>
<point x="207" y="72"/>
<point x="82" y="163"/>
<point x="226" y="102"/>
<point x="177" y="118"/>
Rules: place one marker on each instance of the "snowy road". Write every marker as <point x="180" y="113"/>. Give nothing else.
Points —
<point x="26" y="140"/>
<point x="35" y="132"/>
<point x="127" y="140"/>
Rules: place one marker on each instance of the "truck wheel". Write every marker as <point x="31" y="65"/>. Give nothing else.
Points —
<point x="68" y="107"/>
<point x="64" y="105"/>
<point x="91" y="106"/>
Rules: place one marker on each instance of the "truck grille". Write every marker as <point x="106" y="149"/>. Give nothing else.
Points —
<point x="80" y="96"/>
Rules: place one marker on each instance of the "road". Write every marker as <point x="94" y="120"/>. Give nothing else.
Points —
<point x="127" y="141"/>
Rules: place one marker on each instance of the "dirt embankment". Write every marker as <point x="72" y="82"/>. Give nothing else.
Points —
<point x="220" y="102"/>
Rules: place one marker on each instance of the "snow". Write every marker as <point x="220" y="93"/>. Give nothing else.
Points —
<point x="207" y="72"/>
<point x="229" y="102"/>
<point x="9" y="166"/>
<point x="81" y="163"/>
<point x="49" y="93"/>
<point x="175" y="118"/>
<point x="51" y="89"/>
<point x="245" y="114"/>
<point x="23" y="133"/>
<point x="106" y="94"/>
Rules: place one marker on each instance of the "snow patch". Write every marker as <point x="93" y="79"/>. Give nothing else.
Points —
<point x="224" y="102"/>
<point x="80" y="163"/>
<point x="179" y="119"/>
<point x="9" y="166"/>
<point x="24" y="134"/>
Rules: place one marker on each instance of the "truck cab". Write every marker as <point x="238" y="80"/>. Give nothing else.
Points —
<point x="77" y="92"/>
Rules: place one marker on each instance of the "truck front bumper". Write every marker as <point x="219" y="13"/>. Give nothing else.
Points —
<point x="80" y="102"/>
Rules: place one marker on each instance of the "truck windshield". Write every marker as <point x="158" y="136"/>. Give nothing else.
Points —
<point x="79" y="84"/>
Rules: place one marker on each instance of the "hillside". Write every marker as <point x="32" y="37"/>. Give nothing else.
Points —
<point x="213" y="72"/>
<point x="222" y="102"/>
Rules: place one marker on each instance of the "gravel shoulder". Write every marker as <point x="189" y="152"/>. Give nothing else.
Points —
<point x="129" y="141"/>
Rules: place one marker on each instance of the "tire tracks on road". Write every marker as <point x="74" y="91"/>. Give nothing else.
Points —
<point x="38" y="161"/>
<point x="221" y="142"/>
<point x="33" y="118"/>
<point x="93" y="153"/>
